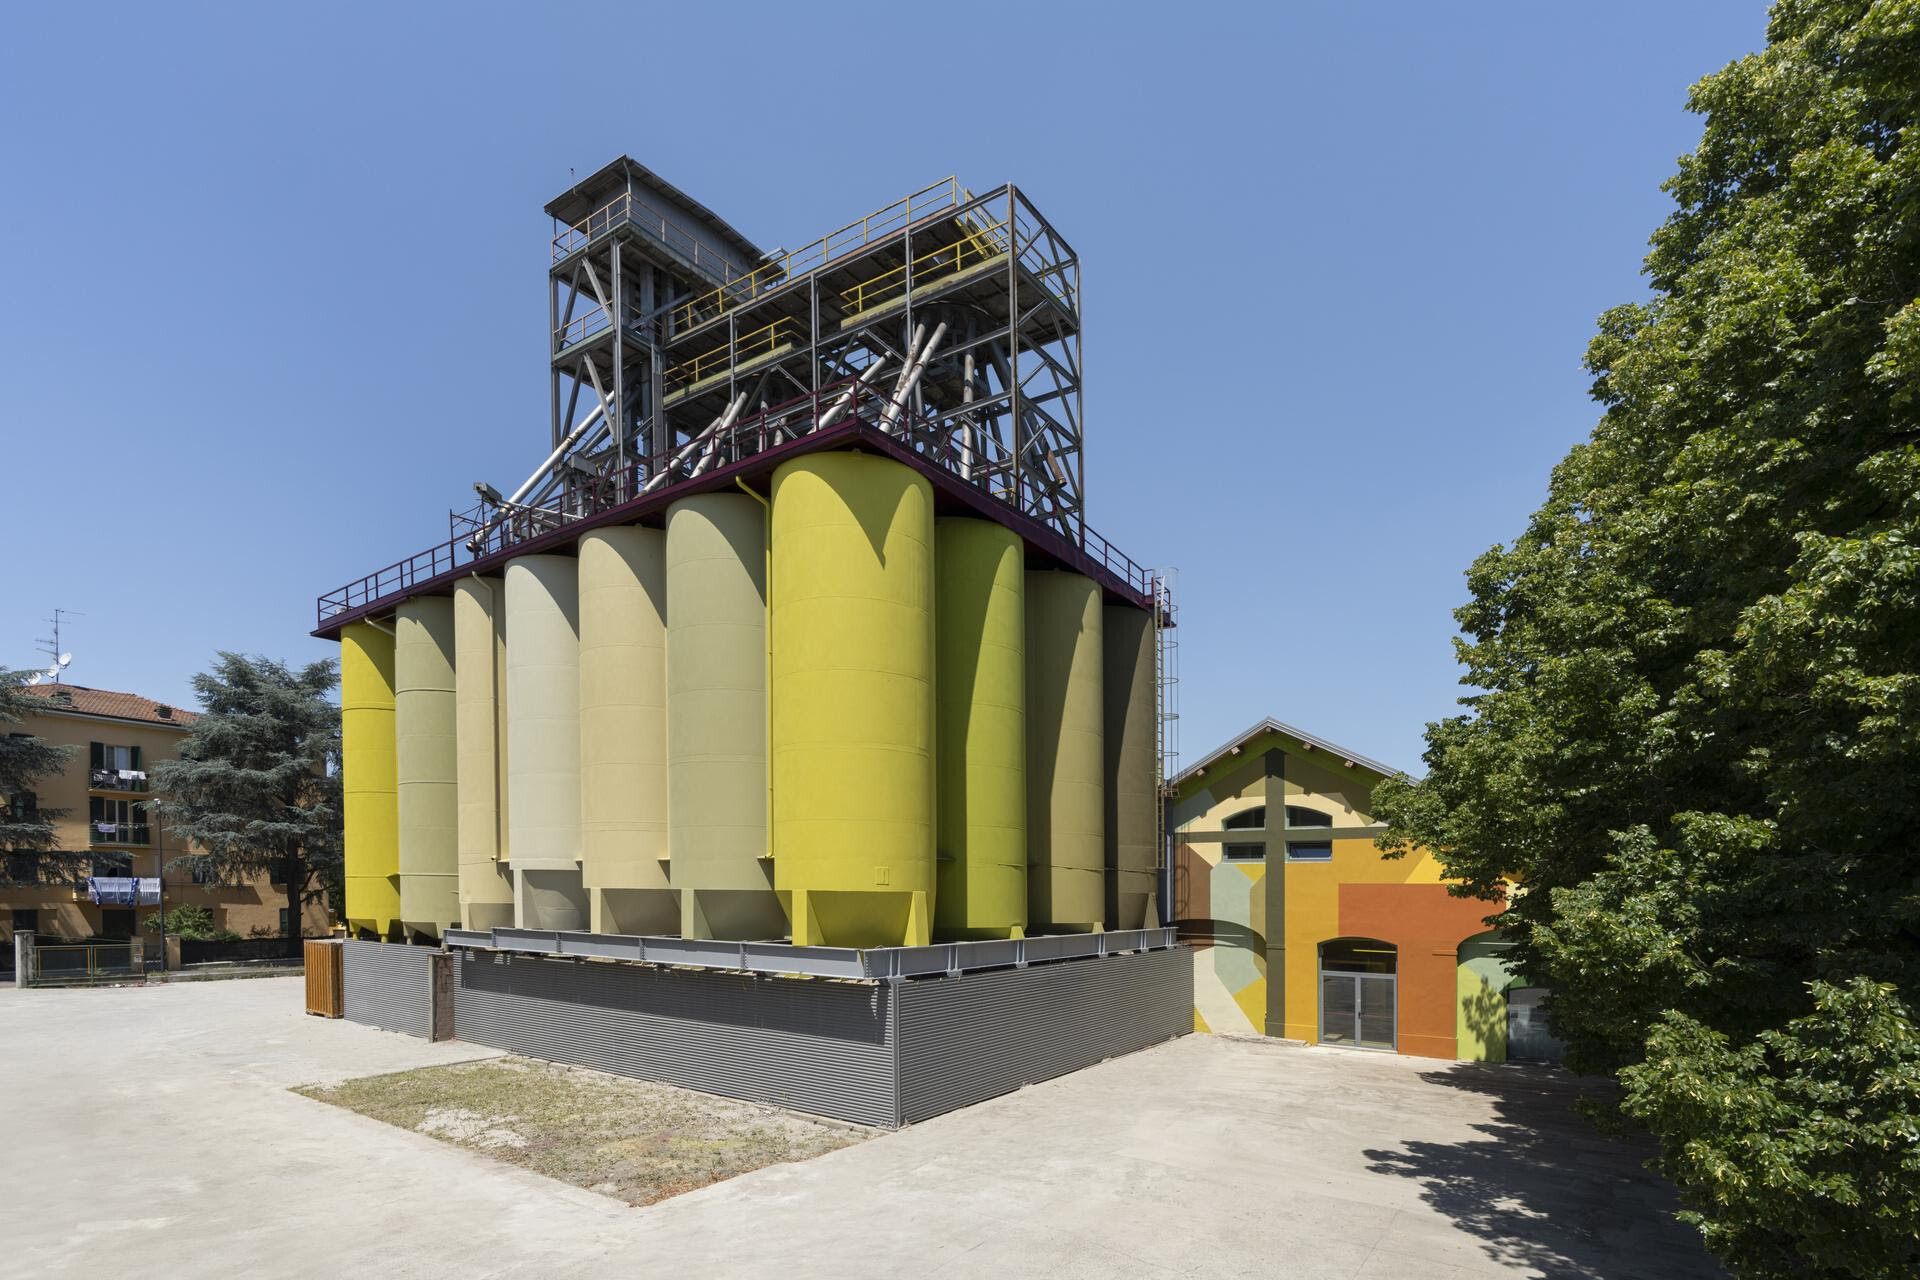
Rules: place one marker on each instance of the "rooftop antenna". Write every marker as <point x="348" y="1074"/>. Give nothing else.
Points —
<point x="58" y="658"/>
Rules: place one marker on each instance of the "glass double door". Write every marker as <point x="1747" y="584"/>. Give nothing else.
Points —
<point x="1357" y="1009"/>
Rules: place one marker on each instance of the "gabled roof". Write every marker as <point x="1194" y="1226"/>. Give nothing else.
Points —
<point x="77" y="699"/>
<point x="1346" y="755"/>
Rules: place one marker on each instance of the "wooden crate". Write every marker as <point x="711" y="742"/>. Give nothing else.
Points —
<point x="323" y="957"/>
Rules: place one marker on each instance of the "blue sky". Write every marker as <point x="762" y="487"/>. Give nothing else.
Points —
<point x="273" y="282"/>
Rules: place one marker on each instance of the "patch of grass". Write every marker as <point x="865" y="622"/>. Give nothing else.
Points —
<point x="638" y="1141"/>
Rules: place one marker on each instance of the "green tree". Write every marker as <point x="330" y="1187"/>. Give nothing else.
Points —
<point x="256" y="787"/>
<point x="1694" y="704"/>
<point x="26" y="826"/>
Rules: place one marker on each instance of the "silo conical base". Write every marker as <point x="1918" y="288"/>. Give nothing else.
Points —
<point x="550" y="900"/>
<point x="647" y="912"/>
<point x="491" y="915"/>
<point x="843" y="918"/>
<point x="753" y="915"/>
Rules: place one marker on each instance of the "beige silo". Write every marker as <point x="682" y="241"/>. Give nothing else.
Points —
<point x="480" y="725"/>
<point x="1132" y="767"/>
<point x="1066" y="758"/>
<point x="717" y="718"/>
<point x="623" y="731"/>
<point x="543" y="742"/>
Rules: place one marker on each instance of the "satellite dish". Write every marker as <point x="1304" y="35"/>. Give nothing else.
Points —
<point x="53" y="671"/>
<point x="66" y="659"/>
<point x="35" y="678"/>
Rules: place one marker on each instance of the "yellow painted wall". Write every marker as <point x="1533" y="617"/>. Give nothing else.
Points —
<point x="853" y="699"/>
<point x="980" y="585"/>
<point x="369" y="778"/>
<point x="1313" y="915"/>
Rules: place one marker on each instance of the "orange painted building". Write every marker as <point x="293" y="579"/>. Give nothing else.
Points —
<point x="1303" y="929"/>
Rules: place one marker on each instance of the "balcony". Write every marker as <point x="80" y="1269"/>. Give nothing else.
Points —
<point x="119" y="833"/>
<point x="118" y="780"/>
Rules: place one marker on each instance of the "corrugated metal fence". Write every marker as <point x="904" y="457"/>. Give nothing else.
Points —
<point x="389" y="986"/>
<point x="881" y="1053"/>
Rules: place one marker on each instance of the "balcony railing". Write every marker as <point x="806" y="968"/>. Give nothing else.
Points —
<point x="118" y="780"/>
<point x="137" y="833"/>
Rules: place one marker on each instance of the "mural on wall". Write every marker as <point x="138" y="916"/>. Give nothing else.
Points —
<point x="1229" y="939"/>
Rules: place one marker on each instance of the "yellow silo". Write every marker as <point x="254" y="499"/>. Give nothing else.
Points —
<point x="623" y="731"/>
<point x="1066" y="758"/>
<point x="543" y="742"/>
<point x="853" y="700"/>
<point x="480" y="717"/>
<point x="425" y="756"/>
<point x="369" y="791"/>
<point x="980" y="584"/>
<point x="1132" y="767"/>
<point x="717" y="718"/>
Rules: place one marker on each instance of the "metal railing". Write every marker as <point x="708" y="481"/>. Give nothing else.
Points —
<point x="627" y="209"/>
<point x="778" y="270"/>
<point x="978" y="460"/>
<point x="871" y="963"/>
<point x="119" y="833"/>
<point x="110" y="780"/>
<point x="747" y="347"/>
<point x="90" y="960"/>
<point x="980" y="245"/>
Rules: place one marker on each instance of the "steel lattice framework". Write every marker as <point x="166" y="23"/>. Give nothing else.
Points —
<point x="949" y="320"/>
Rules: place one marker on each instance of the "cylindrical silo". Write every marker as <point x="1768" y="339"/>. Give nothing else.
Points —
<point x="543" y="742"/>
<point x="717" y="718"/>
<point x="369" y="794"/>
<point x="1066" y="760"/>
<point x="425" y="755"/>
<point x="480" y="718"/>
<point x="1133" y="767"/>
<point x="980" y="587"/>
<point x="623" y="731"/>
<point x="853" y="700"/>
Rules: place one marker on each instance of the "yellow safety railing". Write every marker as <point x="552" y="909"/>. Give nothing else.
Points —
<point x="748" y="346"/>
<point x="979" y="245"/>
<point x="945" y="194"/>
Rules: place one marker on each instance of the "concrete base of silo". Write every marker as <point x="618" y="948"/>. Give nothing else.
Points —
<point x="639" y="911"/>
<point x="488" y="915"/>
<point x="550" y="900"/>
<point x="841" y="918"/>
<point x="745" y="915"/>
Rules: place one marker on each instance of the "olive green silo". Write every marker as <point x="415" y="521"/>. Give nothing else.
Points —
<point x="1066" y="756"/>
<point x="853" y="699"/>
<point x="480" y="727"/>
<point x="717" y="718"/>
<point x="981" y="594"/>
<point x="1132" y="767"/>
<point x="623" y="731"/>
<point x="425" y="758"/>
<point x="543" y="742"/>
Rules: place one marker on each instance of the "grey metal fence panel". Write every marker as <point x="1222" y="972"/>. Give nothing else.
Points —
<point x="388" y="985"/>
<point x="965" y="1039"/>
<point x="813" y="1045"/>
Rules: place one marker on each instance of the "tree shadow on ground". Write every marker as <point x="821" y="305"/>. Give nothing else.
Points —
<point x="1545" y="1191"/>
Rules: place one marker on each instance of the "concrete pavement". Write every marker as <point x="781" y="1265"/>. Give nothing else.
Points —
<point x="153" y="1127"/>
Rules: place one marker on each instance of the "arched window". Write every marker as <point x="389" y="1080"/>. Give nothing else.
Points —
<point x="1358" y="993"/>
<point x="1246" y="819"/>
<point x="1299" y="815"/>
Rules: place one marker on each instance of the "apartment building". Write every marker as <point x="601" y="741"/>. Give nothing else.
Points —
<point x="106" y="830"/>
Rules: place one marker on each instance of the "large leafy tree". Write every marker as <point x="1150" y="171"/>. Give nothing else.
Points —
<point x="26" y="826"/>
<point x="1694" y="726"/>
<point x="256" y="787"/>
